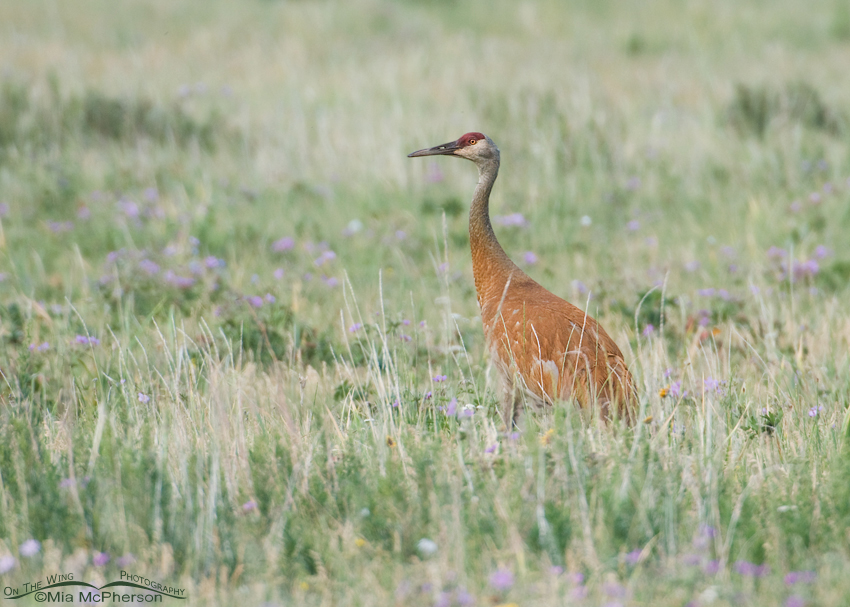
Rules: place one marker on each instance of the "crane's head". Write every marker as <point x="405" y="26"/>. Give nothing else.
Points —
<point x="476" y="147"/>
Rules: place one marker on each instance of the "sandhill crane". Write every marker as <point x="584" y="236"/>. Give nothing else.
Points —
<point x="544" y="348"/>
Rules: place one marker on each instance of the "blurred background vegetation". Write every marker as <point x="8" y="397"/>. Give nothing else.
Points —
<point x="225" y="293"/>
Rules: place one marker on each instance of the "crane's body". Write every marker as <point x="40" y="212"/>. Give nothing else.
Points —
<point x="545" y="348"/>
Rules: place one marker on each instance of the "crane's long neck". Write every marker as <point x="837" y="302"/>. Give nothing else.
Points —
<point x="490" y="264"/>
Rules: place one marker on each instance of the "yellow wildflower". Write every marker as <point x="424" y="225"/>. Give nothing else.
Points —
<point x="547" y="438"/>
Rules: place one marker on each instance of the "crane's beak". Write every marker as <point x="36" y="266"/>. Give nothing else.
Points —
<point x="446" y="149"/>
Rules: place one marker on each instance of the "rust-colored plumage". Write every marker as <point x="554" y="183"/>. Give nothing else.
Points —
<point x="545" y="348"/>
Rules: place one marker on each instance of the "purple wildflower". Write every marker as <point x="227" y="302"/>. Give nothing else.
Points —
<point x="579" y="286"/>
<point x="516" y="220"/>
<point x="129" y="208"/>
<point x="284" y="244"/>
<point x="707" y="531"/>
<point x="748" y="569"/>
<point x="249" y="506"/>
<point x="149" y="267"/>
<point x="451" y="409"/>
<point x="576" y="577"/>
<point x="633" y="183"/>
<point x="502" y="580"/>
<point x="633" y="557"/>
<point x="776" y="253"/>
<point x="796" y="577"/>
<point x="815" y="198"/>
<point x="400" y="234"/>
<point x="325" y="257"/>
<point x="100" y="559"/>
<point x="711" y="567"/>
<point x="530" y="258"/>
<point x="270" y="298"/>
<point x="821" y="252"/>
<point x="815" y="411"/>
<point x="795" y="601"/>
<point x="57" y="227"/>
<point x="331" y="281"/>
<point x="648" y="330"/>
<point x="428" y="395"/>
<point x="435" y="175"/>
<point x="355" y="327"/>
<point x="676" y="389"/>
<point x="278" y="274"/>
<point x="144" y="398"/>
<point x="66" y="483"/>
<point x="7" y="563"/>
<point x="181" y="282"/>
<point x="405" y="337"/>
<point x="113" y="256"/>
<point x="806" y="269"/>
<point x="439" y="378"/>
<point x="578" y="593"/>
<point x="514" y="436"/>
<point x="713" y="385"/>
<point x="692" y="266"/>
<point x="4" y="209"/>
<point x="29" y="548"/>
<point x="126" y="560"/>
<point x="556" y="570"/>
<point x="691" y="560"/>
<point x="633" y="225"/>
<point x="83" y="213"/>
<point x="213" y="262"/>
<point x="151" y="194"/>
<point x="491" y="448"/>
<point x="709" y="292"/>
<point x="613" y="589"/>
<point x="255" y="300"/>
<point x="87" y="341"/>
<point x="463" y="598"/>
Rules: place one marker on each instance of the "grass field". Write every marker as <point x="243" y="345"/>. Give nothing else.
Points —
<point x="234" y="317"/>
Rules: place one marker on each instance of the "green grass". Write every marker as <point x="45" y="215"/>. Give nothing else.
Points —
<point x="259" y="423"/>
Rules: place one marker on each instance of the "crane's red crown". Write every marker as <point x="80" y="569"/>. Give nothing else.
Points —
<point x="470" y="138"/>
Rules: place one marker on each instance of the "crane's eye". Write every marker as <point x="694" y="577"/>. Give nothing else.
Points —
<point x="472" y="142"/>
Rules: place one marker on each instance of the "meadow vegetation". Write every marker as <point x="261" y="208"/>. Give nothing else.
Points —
<point x="239" y="343"/>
